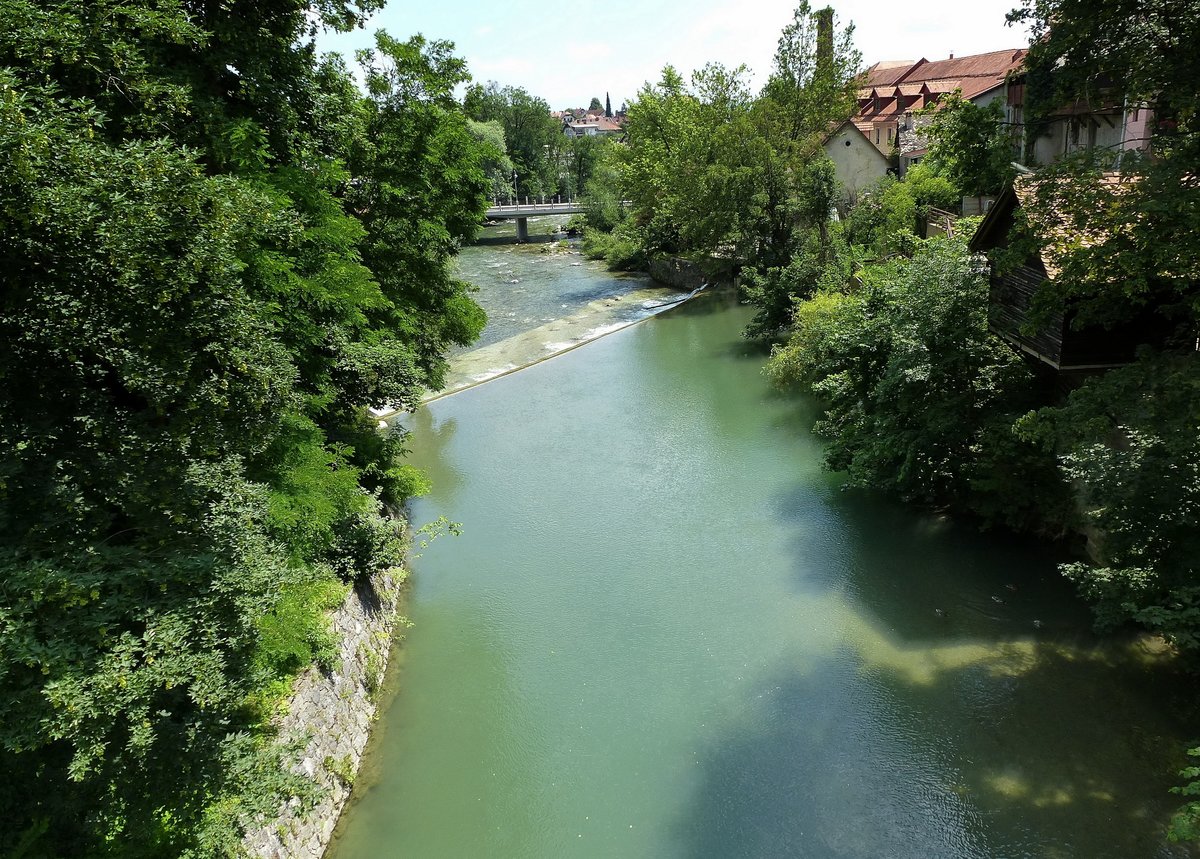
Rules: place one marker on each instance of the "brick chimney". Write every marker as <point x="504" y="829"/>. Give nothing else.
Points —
<point x="825" y="37"/>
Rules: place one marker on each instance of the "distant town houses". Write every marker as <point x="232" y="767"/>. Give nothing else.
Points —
<point x="890" y="97"/>
<point x="590" y="123"/>
<point x="893" y="94"/>
<point x="884" y="134"/>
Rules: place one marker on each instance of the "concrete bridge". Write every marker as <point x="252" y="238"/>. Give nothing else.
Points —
<point x="521" y="212"/>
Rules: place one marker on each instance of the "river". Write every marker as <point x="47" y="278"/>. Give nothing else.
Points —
<point x="666" y="632"/>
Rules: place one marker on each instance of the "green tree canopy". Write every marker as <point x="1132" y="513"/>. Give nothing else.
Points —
<point x="969" y="145"/>
<point x="217" y="254"/>
<point x="533" y="136"/>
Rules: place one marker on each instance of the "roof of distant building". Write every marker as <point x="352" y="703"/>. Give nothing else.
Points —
<point x="995" y="64"/>
<point x="972" y="75"/>
<point x="887" y="72"/>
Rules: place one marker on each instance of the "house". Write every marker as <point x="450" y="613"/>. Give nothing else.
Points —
<point x="592" y="126"/>
<point x="1057" y="344"/>
<point x="1107" y="124"/>
<point x="858" y="161"/>
<point x="893" y="92"/>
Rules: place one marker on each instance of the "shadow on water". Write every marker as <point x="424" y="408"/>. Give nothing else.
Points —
<point x="488" y="240"/>
<point x="969" y="732"/>
<point x="922" y="574"/>
<point x="436" y="437"/>
<point x="930" y="770"/>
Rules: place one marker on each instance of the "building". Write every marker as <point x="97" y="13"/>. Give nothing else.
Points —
<point x="1108" y="124"/>
<point x="1058" y="343"/>
<point x="893" y="92"/>
<point x="592" y="125"/>
<point x="859" y="163"/>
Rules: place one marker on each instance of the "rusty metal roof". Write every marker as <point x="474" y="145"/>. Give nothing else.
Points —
<point x="995" y="64"/>
<point x="888" y="72"/>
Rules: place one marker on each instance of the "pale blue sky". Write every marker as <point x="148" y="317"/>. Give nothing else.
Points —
<point x="568" y="52"/>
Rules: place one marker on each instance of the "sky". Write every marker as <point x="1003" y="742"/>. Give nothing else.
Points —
<point x="567" y="53"/>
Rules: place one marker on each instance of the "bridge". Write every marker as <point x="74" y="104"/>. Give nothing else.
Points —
<point x="521" y="212"/>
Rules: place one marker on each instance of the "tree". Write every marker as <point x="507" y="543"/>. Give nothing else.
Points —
<point x="713" y="172"/>
<point x="580" y="156"/>
<point x="423" y="193"/>
<point x="595" y="104"/>
<point x="811" y="87"/>
<point x="813" y="77"/>
<point x="1130" y="447"/>
<point x="497" y="166"/>
<point x="607" y="106"/>
<point x="970" y="145"/>
<point x="531" y="133"/>
<point x="919" y="398"/>
<point x="188" y="472"/>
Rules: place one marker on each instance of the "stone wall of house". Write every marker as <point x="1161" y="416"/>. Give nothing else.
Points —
<point x="330" y="712"/>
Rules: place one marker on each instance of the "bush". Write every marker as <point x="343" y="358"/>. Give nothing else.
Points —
<point x="623" y="249"/>
<point x="917" y="392"/>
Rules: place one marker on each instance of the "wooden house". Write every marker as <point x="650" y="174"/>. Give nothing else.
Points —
<point x="1059" y="343"/>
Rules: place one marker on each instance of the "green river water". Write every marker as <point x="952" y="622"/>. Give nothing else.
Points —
<point x="666" y="632"/>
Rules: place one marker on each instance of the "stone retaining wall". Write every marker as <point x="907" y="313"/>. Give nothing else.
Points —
<point x="331" y="713"/>
<point x="686" y="274"/>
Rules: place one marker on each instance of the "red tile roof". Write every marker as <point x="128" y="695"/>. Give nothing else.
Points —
<point x="886" y="83"/>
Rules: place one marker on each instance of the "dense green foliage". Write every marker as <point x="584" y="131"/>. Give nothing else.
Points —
<point x="1131" y="446"/>
<point x="538" y="159"/>
<point x="970" y="145"/>
<point x="919" y="397"/>
<point x="532" y="135"/>
<point x="713" y="171"/>
<point x="217" y="253"/>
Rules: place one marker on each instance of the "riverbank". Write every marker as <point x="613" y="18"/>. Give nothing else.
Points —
<point x="328" y="720"/>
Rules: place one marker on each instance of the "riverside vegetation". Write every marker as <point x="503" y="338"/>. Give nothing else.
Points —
<point x="891" y="330"/>
<point x="217" y="253"/>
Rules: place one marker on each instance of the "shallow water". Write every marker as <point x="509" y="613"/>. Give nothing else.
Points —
<point x="523" y="287"/>
<point x="666" y="632"/>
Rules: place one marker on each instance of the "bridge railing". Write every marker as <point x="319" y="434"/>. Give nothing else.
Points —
<point x="536" y="204"/>
<point x="549" y="205"/>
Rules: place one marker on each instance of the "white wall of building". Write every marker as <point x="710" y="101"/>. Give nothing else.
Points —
<point x="859" y="164"/>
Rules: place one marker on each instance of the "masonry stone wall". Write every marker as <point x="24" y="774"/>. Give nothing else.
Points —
<point x="331" y="714"/>
<point x="686" y="274"/>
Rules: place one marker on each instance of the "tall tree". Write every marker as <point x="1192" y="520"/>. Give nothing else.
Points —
<point x="813" y="77"/>
<point x="192" y="337"/>
<point x="532" y="134"/>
